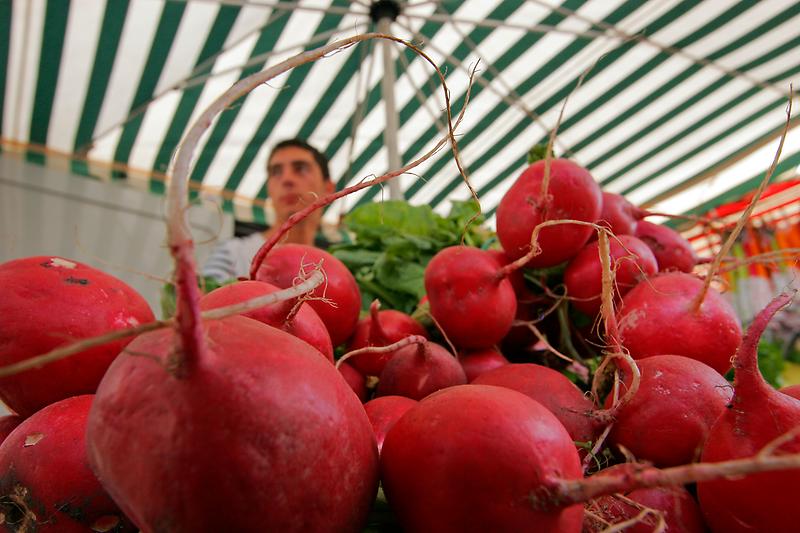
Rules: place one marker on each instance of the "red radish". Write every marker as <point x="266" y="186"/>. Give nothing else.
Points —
<point x="283" y="265"/>
<point x="80" y="302"/>
<point x="356" y="380"/>
<point x="418" y="370"/>
<point x="631" y="262"/>
<point x="304" y="323"/>
<point x="758" y="416"/>
<point x="666" y="422"/>
<point x="619" y="215"/>
<point x="45" y="482"/>
<point x="516" y="277"/>
<point x="792" y="390"/>
<point x="380" y="328"/>
<point x="261" y="402"/>
<point x="661" y="316"/>
<point x="551" y="389"/>
<point x="571" y="193"/>
<point x="469" y="296"/>
<point x="384" y="412"/>
<point x="479" y="362"/>
<point x="7" y="424"/>
<point x="468" y="458"/>
<point x="677" y="510"/>
<point x="230" y="424"/>
<point x="672" y="251"/>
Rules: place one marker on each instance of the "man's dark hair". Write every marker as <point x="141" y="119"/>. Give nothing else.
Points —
<point x="319" y="157"/>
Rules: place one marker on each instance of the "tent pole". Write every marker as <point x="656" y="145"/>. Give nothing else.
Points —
<point x="392" y="122"/>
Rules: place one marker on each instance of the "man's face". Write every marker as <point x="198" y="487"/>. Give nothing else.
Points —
<point x="294" y="180"/>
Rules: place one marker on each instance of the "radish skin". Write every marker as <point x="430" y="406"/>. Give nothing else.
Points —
<point x="757" y="416"/>
<point x="572" y="194"/>
<point x="467" y="459"/>
<point x="48" y="302"/>
<point x="659" y="316"/>
<point x="668" y="419"/>
<point x="341" y="305"/>
<point x="472" y="301"/>
<point x="296" y="318"/>
<point x="380" y="328"/>
<point x="282" y="421"/>
<point x="46" y="485"/>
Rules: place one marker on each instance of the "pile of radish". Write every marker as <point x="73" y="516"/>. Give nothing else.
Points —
<point x="569" y="379"/>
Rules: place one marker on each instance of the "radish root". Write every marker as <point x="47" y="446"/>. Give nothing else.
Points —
<point x="402" y="343"/>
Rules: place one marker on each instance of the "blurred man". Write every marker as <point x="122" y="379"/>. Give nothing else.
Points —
<point x="297" y="175"/>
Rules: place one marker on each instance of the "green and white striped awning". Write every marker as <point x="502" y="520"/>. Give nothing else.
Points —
<point x="680" y="106"/>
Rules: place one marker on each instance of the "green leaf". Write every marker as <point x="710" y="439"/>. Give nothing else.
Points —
<point x="402" y="276"/>
<point x="354" y="257"/>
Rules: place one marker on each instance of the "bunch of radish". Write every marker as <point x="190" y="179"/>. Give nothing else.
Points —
<point x="236" y="416"/>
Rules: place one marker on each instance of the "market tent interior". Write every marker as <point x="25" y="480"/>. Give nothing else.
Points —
<point x="679" y="105"/>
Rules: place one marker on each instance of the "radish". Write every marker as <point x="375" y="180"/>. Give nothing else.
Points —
<point x="229" y="424"/>
<point x="563" y="191"/>
<point x="259" y="401"/>
<point x="48" y="302"/>
<point x="552" y="390"/>
<point x="631" y="261"/>
<point x="468" y="458"/>
<point x="303" y="322"/>
<point x="479" y="362"/>
<point x="420" y="369"/>
<point x="356" y="380"/>
<point x="516" y="277"/>
<point x="759" y="416"/>
<point x="470" y="296"/>
<point x="673" y="507"/>
<point x="45" y="482"/>
<point x="792" y="390"/>
<point x="380" y="328"/>
<point x="671" y="250"/>
<point x="338" y="301"/>
<point x="662" y="315"/>
<point x="619" y="215"/>
<point x="666" y="422"/>
<point x="384" y="412"/>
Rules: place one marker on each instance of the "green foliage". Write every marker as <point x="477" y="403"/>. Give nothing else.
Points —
<point x="770" y="362"/>
<point x="168" y="293"/>
<point x="394" y="241"/>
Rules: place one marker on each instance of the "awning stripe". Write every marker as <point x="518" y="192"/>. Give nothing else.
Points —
<point x="478" y="34"/>
<point x="164" y="38"/>
<point x="773" y="110"/>
<point x="55" y="26"/>
<point x="520" y="162"/>
<point x="295" y="79"/>
<point x="553" y="100"/>
<point x="681" y="107"/>
<point x="526" y="42"/>
<point x="691" y="128"/>
<point x="787" y="163"/>
<point x="5" y="51"/>
<point x="217" y="36"/>
<point x="266" y="41"/>
<point x="108" y="44"/>
<point x="606" y="61"/>
<point x="649" y="67"/>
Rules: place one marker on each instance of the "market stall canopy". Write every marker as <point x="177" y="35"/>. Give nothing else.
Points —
<point x="676" y="104"/>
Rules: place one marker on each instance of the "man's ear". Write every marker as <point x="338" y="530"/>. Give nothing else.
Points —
<point x="329" y="187"/>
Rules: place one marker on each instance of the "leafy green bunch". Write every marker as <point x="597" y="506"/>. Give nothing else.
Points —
<point x="394" y="241"/>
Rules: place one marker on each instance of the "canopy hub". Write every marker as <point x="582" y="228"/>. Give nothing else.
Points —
<point x="384" y="9"/>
